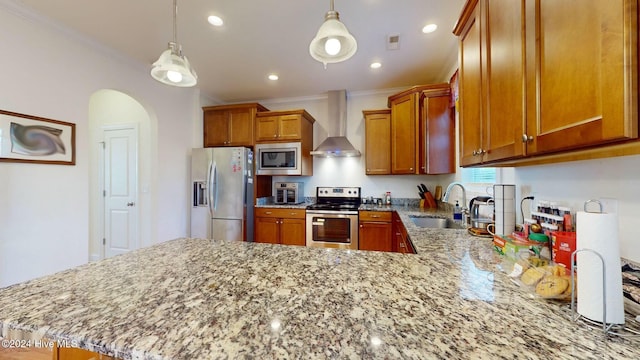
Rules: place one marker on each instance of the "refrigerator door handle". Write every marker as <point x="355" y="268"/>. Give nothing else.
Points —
<point x="214" y="187"/>
<point x="210" y="186"/>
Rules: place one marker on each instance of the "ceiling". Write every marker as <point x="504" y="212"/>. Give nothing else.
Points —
<point x="261" y="37"/>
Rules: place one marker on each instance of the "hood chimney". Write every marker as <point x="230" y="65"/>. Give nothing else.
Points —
<point x="336" y="144"/>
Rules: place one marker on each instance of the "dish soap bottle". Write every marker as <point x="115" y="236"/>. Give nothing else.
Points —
<point x="457" y="212"/>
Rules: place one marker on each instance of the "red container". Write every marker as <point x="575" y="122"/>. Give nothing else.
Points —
<point x="563" y="245"/>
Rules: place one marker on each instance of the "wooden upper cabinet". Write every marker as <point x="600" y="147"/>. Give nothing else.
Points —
<point x="404" y="121"/>
<point x="377" y="128"/>
<point x="230" y="125"/>
<point x="283" y="126"/>
<point x="504" y="114"/>
<point x="546" y="77"/>
<point x="437" y="132"/>
<point x="492" y="81"/>
<point x="585" y="76"/>
<point x="422" y="130"/>
<point x="470" y="85"/>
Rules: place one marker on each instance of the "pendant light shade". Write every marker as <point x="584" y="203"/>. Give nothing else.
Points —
<point x="333" y="42"/>
<point x="172" y="67"/>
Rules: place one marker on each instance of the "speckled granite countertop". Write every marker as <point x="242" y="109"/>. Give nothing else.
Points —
<point x="203" y="299"/>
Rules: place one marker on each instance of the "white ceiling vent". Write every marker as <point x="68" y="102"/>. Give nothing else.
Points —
<point x="393" y="42"/>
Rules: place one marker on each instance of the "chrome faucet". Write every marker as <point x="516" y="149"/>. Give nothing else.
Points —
<point x="465" y="210"/>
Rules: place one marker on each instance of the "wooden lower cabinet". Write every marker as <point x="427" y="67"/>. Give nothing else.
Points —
<point x="401" y="241"/>
<point x="280" y="226"/>
<point x="375" y="231"/>
<point x="70" y="353"/>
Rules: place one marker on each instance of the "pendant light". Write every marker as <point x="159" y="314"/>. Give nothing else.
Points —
<point x="173" y="68"/>
<point x="333" y="42"/>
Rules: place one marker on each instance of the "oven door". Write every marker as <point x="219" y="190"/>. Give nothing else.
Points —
<point x="332" y="229"/>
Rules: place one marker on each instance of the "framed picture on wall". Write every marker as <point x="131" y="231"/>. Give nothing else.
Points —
<point x="32" y="139"/>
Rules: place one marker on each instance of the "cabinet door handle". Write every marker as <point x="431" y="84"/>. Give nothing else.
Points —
<point x="275" y="135"/>
<point x="410" y="169"/>
<point x="527" y="138"/>
<point x="361" y="226"/>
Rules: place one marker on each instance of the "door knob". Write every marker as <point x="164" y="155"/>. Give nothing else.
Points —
<point x="130" y="203"/>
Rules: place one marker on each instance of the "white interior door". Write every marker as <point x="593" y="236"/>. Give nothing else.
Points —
<point x="120" y="189"/>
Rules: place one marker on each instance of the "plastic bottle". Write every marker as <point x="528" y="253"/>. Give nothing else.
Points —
<point x="387" y="198"/>
<point x="457" y="212"/>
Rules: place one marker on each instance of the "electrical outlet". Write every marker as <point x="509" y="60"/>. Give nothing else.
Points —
<point x="609" y="205"/>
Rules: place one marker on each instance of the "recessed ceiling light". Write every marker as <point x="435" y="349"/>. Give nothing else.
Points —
<point x="429" y="28"/>
<point x="375" y="65"/>
<point x="273" y="77"/>
<point x="215" y="20"/>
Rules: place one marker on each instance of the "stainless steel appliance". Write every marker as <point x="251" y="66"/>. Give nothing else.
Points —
<point x="222" y="193"/>
<point x="288" y="192"/>
<point x="279" y="159"/>
<point x="481" y="211"/>
<point x="332" y="222"/>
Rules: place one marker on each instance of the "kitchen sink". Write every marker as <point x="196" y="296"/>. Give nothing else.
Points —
<point x="435" y="223"/>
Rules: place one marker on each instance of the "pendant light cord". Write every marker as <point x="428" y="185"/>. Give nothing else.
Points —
<point x="175" y="22"/>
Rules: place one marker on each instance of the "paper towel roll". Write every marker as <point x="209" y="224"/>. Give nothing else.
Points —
<point x="599" y="232"/>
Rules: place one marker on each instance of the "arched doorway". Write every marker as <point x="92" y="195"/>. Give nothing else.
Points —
<point x="121" y="187"/>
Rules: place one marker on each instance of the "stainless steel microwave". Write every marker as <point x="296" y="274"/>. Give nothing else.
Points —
<point x="279" y="159"/>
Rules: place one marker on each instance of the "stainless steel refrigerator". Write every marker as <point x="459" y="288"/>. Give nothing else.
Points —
<point x="222" y="193"/>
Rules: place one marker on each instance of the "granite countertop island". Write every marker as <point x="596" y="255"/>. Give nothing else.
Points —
<point x="204" y="299"/>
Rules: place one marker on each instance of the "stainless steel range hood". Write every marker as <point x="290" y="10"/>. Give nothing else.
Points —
<point x="337" y="143"/>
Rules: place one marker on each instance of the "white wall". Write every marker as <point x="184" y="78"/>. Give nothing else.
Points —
<point x="44" y="209"/>
<point x="614" y="179"/>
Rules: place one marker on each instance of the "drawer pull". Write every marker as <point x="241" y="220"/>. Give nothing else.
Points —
<point x="268" y="212"/>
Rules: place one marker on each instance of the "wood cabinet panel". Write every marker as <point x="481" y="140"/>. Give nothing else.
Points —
<point x="375" y="236"/>
<point x="280" y="213"/>
<point x="267" y="230"/>
<point x="285" y="125"/>
<point x="374" y="232"/>
<point x="470" y="90"/>
<point x="546" y="78"/>
<point x="240" y="127"/>
<point x="266" y="128"/>
<point x="280" y="226"/>
<point x="437" y="133"/>
<point x="586" y="74"/>
<point x="293" y="232"/>
<point x="384" y="216"/>
<point x="216" y="128"/>
<point x="403" y="135"/>
<point x="70" y="353"/>
<point x="290" y="127"/>
<point x="377" y="127"/>
<point x="504" y="114"/>
<point x="401" y="241"/>
<point x="230" y="125"/>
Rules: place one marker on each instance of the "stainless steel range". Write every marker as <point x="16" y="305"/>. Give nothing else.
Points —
<point x="332" y="222"/>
